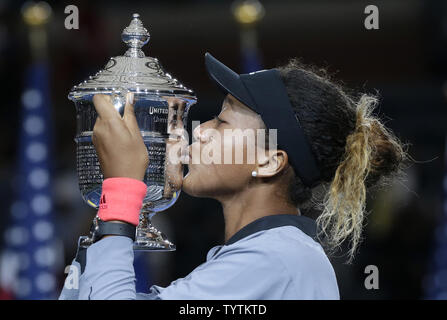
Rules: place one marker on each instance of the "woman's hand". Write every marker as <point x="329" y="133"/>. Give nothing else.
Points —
<point x="118" y="141"/>
<point x="176" y="145"/>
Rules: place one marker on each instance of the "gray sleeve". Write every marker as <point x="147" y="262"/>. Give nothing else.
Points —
<point x="104" y="271"/>
<point x="243" y="273"/>
<point x="109" y="272"/>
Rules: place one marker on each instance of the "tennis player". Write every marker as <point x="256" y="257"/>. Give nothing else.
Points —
<point x="327" y="141"/>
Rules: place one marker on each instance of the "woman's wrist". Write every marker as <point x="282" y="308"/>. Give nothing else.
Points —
<point x="121" y="200"/>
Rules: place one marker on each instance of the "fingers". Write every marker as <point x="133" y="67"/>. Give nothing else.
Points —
<point x="175" y="115"/>
<point x="180" y="112"/>
<point x="104" y="107"/>
<point x="129" y="113"/>
<point x="172" y="120"/>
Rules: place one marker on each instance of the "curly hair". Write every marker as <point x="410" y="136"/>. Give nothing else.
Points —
<point x="352" y="147"/>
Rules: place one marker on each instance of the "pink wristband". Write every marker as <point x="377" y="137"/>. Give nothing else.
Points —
<point x="122" y="199"/>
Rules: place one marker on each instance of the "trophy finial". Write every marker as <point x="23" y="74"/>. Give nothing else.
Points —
<point x="135" y="36"/>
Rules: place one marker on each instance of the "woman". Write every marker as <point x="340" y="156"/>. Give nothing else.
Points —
<point x="271" y="251"/>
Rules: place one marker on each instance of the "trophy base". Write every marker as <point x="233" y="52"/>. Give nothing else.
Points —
<point x="141" y="244"/>
<point x="150" y="239"/>
<point x="146" y="239"/>
<point x="153" y="246"/>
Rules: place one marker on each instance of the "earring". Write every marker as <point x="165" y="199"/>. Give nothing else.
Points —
<point x="254" y="173"/>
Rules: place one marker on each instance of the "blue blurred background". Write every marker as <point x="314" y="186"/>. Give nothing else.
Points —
<point x="405" y="61"/>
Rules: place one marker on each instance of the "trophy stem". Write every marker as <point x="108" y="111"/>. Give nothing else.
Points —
<point x="87" y="241"/>
<point x="148" y="238"/>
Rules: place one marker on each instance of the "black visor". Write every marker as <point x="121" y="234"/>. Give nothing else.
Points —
<point x="264" y="92"/>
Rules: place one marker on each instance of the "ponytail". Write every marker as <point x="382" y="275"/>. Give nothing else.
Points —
<point x="370" y="152"/>
<point x="352" y="147"/>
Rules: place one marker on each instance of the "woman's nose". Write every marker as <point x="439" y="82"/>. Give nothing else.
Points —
<point x="200" y="133"/>
<point x="197" y="133"/>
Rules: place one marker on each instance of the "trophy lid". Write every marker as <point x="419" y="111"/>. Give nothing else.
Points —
<point x="132" y="72"/>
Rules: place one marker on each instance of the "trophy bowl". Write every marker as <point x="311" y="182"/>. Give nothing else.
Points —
<point x="161" y="109"/>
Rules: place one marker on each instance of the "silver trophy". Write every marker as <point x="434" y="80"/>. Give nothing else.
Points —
<point x="161" y="108"/>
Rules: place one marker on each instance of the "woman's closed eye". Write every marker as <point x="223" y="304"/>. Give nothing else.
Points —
<point x="219" y="120"/>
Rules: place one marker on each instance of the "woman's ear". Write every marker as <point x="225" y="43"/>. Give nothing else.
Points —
<point x="272" y="164"/>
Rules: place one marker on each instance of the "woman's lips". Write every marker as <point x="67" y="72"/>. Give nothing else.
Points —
<point x="186" y="156"/>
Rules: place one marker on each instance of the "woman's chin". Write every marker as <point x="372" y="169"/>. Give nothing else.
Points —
<point x="193" y="187"/>
<point x="187" y="185"/>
